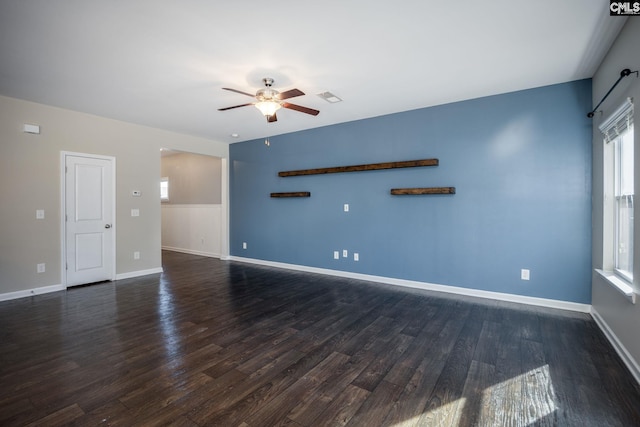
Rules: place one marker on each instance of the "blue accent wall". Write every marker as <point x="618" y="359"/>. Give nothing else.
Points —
<point x="521" y="165"/>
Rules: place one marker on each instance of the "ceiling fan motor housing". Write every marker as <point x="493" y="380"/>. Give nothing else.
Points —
<point x="267" y="94"/>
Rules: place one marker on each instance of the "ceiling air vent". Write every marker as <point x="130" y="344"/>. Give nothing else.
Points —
<point x="329" y="97"/>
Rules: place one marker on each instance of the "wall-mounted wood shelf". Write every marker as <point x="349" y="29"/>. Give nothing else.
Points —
<point x="361" y="168"/>
<point x="420" y="191"/>
<point x="292" y="194"/>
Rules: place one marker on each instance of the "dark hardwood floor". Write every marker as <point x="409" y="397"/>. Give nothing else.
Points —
<point x="210" y="342"/>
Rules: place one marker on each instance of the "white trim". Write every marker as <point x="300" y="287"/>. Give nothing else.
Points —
<point x="55" y="288"/>
<point x="624" y="354"/>
<point x="63" y="206"/>
<point x="224" y="213"/>
<point x="138" y="273"/>
<point x="31" y="292"/>
<point x="542" y="302"/>
<point x="623" y="114"/>
<point x="190" y="251"/>
<point x="619" y="284"/>
<point x="192" y="206"/>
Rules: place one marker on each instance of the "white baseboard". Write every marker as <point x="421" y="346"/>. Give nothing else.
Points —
<point x="542" y="302"/>
<point x="55" y="288"/>
<point x="191" y="251"/>
<point x="138" y="273"/>
<point x="624" y="354"/>
<point x="31" y="292"/>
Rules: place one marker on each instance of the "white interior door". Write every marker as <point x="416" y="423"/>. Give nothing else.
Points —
<point x="89" y="222"/>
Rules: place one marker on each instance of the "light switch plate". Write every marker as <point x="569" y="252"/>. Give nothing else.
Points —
<point x="40" y="214"/>
<point x="135" y="212"/>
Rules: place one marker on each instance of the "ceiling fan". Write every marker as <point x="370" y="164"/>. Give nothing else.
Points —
<point x="269" y="100"/>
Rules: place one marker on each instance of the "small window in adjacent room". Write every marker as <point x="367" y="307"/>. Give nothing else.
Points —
<point x="164" y="189"/>
<point x="619" y="208"/>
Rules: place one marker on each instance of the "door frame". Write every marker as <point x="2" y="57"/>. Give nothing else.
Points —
<point x="63" y="206"/>
<point x="224" y="199"/>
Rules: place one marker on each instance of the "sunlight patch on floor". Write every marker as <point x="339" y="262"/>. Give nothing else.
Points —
<point x="443" y="416"/>
<point x="521" y="400"/>
<point x="518" y="401"/>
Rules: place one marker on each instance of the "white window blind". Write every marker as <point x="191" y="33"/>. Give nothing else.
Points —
<point x="618" y="122"/>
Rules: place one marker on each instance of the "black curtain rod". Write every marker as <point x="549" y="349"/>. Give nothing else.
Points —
<point x="624" y="73"/>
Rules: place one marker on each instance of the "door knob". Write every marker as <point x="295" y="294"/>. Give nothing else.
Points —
<point x="107" y="226"/>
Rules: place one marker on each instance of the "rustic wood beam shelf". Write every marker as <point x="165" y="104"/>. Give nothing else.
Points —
<point x="361" y="168"/>
<point x="292" y="194"/>
<point x="420" y="191"/>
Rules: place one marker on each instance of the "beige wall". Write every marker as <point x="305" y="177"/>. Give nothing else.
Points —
<point x="621" y="317"/>
<point x="30" y="180"/>
<point x="193" y="178"/>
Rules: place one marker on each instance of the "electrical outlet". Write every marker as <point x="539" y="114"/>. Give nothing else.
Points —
<point x="39" y="213"/>
<point x="345" y="253"/>
<point x="244" y="245"/>
<point x="524" y="274"/>
<point x="356" y="256"/>
<point x="40" y="268"/>
<point x="136" y="255"/>
<point x="336" y="255"/>
<point x="346" y="207"/>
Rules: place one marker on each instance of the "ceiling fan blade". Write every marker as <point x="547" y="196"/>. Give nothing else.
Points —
<point x="272" y="118"/>
<point x="301" y="108"/>
<point x="235" y="106"/>
<point x="290" y="94"/>
<point x="239" y="91"/>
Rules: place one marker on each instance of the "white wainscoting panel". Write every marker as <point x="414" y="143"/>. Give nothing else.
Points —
<point x="193" y="229"/>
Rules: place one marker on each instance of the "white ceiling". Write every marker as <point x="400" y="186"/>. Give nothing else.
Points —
<point x="163" y="63"/>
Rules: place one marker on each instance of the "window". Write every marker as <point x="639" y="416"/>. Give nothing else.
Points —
<point x="623" y="255"/>
<point x="164" y="189"/>
<point x="619" y="139"/>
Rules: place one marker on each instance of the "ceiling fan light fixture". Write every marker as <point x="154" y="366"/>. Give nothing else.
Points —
<point x="268" y="108"/>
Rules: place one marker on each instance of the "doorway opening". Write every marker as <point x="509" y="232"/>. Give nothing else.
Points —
<point x="194" y="203"/>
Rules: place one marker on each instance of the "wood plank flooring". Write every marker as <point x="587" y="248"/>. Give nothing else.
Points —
<point x="211" y="342"/>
